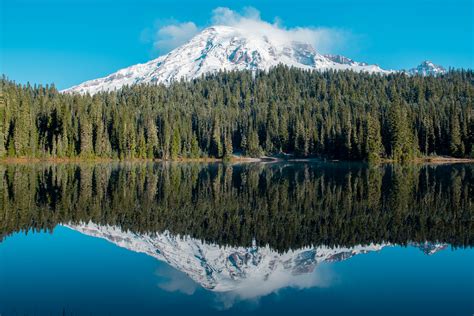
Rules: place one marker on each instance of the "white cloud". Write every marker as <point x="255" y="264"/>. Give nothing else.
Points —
<point x="174" y="35"/>
<point x="249" y="22"/>
<point x="252" y="290"/>
<point x="173" y="280"/>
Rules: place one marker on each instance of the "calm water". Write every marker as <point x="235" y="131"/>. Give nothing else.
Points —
<point x="263" y="239"/>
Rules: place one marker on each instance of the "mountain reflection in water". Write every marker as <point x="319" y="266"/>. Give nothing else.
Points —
<point x="246" y="272"/>
<point x="240" y="233"/>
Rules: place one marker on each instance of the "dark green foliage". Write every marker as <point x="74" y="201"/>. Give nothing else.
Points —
<point x="340" y="115"/>
<point x="373" y="147"/>
<point x="283" y="205"/>
<point x="402" y="139"/>
<point x="3" y="132"/>
<point x="175" y="144"/>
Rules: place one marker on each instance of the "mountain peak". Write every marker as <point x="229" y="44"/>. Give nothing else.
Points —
<point x="427" y="68"/>
<point x="222" y="47"/>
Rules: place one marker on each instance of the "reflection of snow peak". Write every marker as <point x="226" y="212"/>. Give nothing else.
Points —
<point x="254" y="270"/>
<point x="431" y="248"/>
<point x="222" y="268"/>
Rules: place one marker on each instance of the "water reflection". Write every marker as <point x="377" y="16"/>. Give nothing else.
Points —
<point x="243" y="232"/>
<point x="236" y="273"/>
<point x="280" y="205"/>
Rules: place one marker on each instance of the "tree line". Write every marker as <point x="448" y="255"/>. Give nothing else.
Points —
<point x="286" y="206"/>
<point x="336" y="115"/>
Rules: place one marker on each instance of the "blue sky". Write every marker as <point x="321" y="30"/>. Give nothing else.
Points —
<point x="68" y="42"/>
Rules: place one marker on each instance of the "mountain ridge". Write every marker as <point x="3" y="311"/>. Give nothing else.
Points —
<point x="229" y="48"/>
<point x="222" y="48"/>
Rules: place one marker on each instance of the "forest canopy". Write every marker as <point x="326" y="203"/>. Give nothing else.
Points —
<point x="335" y="115"/>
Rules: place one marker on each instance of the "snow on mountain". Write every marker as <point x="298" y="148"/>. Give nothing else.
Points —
<point x="256" y="270"/>
<point x="427" y="68"/>
<point x="344" y="60"/>
<point x="431" y="248"/>
<point x="223" y="48"/>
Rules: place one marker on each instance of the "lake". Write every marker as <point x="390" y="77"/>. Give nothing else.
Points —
<point x="259" y="238"/>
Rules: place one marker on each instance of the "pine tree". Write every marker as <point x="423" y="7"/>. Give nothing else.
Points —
<point x="195" y="151"/>
<point x="103" y="147"/>
<point x="85" y="134"/>
<point x="3" y="133"/>
<point x="228" y="149"/>
<point x="373" y="147"/>
<point x="456" y="147"/>
<point x="175" y="144"/>
<point x="253" y="147"/>
<point x="141" y="146"/>
<point x="218" y="149"/>
<point x="151" y="139"/>
<point x="402" y="139"/>
<point x="22" y="126"/>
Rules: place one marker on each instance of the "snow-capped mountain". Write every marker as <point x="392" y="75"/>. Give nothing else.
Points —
<point x="427" y="68"/>
<point x="260" y="270"/>
<point x="223" y="48"/>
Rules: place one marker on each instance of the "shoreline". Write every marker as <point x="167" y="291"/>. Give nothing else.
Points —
<point x="444" y="160"/>
<point x="435" y="160"/>
<point x="235" y="159"/>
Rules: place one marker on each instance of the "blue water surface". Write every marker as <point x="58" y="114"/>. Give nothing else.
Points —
<point x="66" y="272"/>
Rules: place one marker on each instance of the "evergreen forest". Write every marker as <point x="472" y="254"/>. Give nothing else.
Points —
<point x="331" y="115"/>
